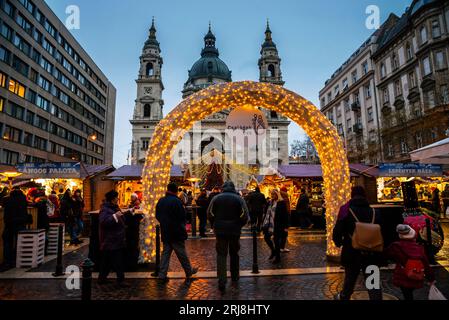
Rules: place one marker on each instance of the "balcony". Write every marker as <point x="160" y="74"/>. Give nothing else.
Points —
<point x="386" y="108"/>
<point x="357" y="128"/>
<point x="399" y="103"/>
<point x="355" y="106"/>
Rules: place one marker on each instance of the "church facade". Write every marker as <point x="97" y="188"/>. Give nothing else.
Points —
<point x="208" y="70"/>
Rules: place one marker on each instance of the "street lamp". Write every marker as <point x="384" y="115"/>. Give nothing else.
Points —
<point x="10" y="175"/>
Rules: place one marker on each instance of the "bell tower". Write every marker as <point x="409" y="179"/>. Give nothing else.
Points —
<point x="148" y="110"/>
<point x="269" y="62"/>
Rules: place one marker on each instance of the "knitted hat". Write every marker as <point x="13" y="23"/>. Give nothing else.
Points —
<point x="405" y="232"/>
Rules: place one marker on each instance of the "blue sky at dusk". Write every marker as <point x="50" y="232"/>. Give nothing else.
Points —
<point x="313" y="38"/>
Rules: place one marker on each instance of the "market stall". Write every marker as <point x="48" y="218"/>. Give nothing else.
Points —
<point x="427" y="178"/>
<point x="128" y="180"/>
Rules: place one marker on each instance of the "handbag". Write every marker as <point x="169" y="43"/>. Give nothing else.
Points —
<point x="435" y="294"/>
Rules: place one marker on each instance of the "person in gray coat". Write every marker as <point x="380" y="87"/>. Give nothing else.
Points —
<point x="229" y="213"/>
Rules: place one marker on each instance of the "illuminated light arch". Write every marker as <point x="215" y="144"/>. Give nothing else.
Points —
<point x="156" y="172"/>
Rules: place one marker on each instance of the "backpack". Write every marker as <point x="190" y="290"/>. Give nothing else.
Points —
<point x="367" y="236"/>
<point x="414" y="269"/>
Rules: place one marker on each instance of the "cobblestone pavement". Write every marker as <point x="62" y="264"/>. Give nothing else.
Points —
<point x="307" y="252"/>
<point x="304" y="287"/>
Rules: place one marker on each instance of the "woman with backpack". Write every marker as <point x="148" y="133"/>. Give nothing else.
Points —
<point x="412" y="265"/>
<point x="355" y="220"/>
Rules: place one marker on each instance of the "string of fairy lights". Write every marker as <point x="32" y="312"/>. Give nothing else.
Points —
<point x="169" y="132"/>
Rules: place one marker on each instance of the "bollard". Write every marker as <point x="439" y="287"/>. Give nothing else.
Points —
<point x="193" y="221"/>
<point x="59" y="268"/>
<point x="255" y="264"/>
<point x="86" y="283"/>
<point x="158" y="251"/>
<point x="429" y="242"/>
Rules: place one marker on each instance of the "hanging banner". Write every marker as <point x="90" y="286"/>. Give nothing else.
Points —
<point x="51" y="170"/>
<point x="410" y="170"/>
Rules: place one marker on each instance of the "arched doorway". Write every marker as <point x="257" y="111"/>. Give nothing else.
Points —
<point x="156" y="172"/>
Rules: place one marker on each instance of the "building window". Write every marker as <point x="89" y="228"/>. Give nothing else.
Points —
<point x="430" y="98"/>
<point x="444" y="94"/>
<point x="386" y="95"/>
<point x="336" y="90"/>
<point x="145" y="144"/>
<point x="365" y="68"/>
<point x="20" y="66"/>
<point x="411" y="80"/>
<point x="409" y="51"/>
<point x="147" y="111"/>
<point x="418" y="140"/>
<point x="436" y="31"/>
<point x="2" y="102"/>
<point x="12" y="134"/>
<point x="43" y="103"/>
<point x="383" y="70"/>
<point x="16" y="88"/>
<point x="345" y="83"/>
<point x="398" y="87"/>
<point x="354" y="76"/>
<point x="423" y="33"/>
<point x="271" y="71"/>
<point x="5" y="55"/>
<point x="368" y="91"/>
<point x="2" y="80"/>
<point x="14" y="110"/>
<point x="273" y="115"/>
<point x="370" y="114"/>
<point x="439" y="60"/>
<point x="347" y="106"/>
<point x="150" y="70"/>
<point x="426" y="66"/>
<point x="394" y="61"/>
<point x="28" y="139"/>
<point x="404" y="148"/>
<point x="9" y="157"/>
<point x="44" y="83"/>
<point x="329" y="97"/>
<point x="40" y="143"/>
<point x="356" y="98"/>
<point x="390" y="150"/>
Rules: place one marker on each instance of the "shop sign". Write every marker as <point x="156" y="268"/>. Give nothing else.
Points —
<point x="410" y="170"/>
<point x="53" y="170"/>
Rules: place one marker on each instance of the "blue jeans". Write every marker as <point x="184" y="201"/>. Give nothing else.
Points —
<point x="75" y="228"/>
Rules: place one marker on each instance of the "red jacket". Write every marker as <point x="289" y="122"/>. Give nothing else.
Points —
<point x="402" y="250"/>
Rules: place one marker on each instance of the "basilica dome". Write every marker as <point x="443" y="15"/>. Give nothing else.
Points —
<point x="209" y="66"/>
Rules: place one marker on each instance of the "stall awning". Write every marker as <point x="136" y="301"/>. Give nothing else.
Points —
<point x="311" y="170"/>
<point x="134" y="172"/>
<point x="436" y="153"/>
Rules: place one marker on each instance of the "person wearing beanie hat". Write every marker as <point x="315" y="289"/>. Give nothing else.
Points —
<point x="410" y="259"/>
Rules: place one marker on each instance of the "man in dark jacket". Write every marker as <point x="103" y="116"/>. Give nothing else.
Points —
<point x="230" y="214"/>
<point x="203" y="203"/>
<point x="215" y="192"/>
<point x="15" y="220"/>
<point x="256" y="204"/>
<point x="354" y="260"/>
<point x="171" y="215"/>
<point x="112" y="238"/>
<point x="303" y="210"/>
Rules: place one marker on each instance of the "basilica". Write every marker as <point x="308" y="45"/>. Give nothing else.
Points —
<point x="208" y="70"/>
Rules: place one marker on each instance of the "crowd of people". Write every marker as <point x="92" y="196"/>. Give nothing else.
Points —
<point x="358" y="231"/>
<point x="64" y="207"/>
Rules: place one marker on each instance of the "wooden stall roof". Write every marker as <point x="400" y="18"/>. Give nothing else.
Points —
<point x="134" y="172"/>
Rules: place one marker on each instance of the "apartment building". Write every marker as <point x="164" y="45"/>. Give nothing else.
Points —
<point x="55" y="103"/>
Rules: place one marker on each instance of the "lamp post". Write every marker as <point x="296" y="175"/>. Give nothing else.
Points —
<point x="11" y="175"/>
